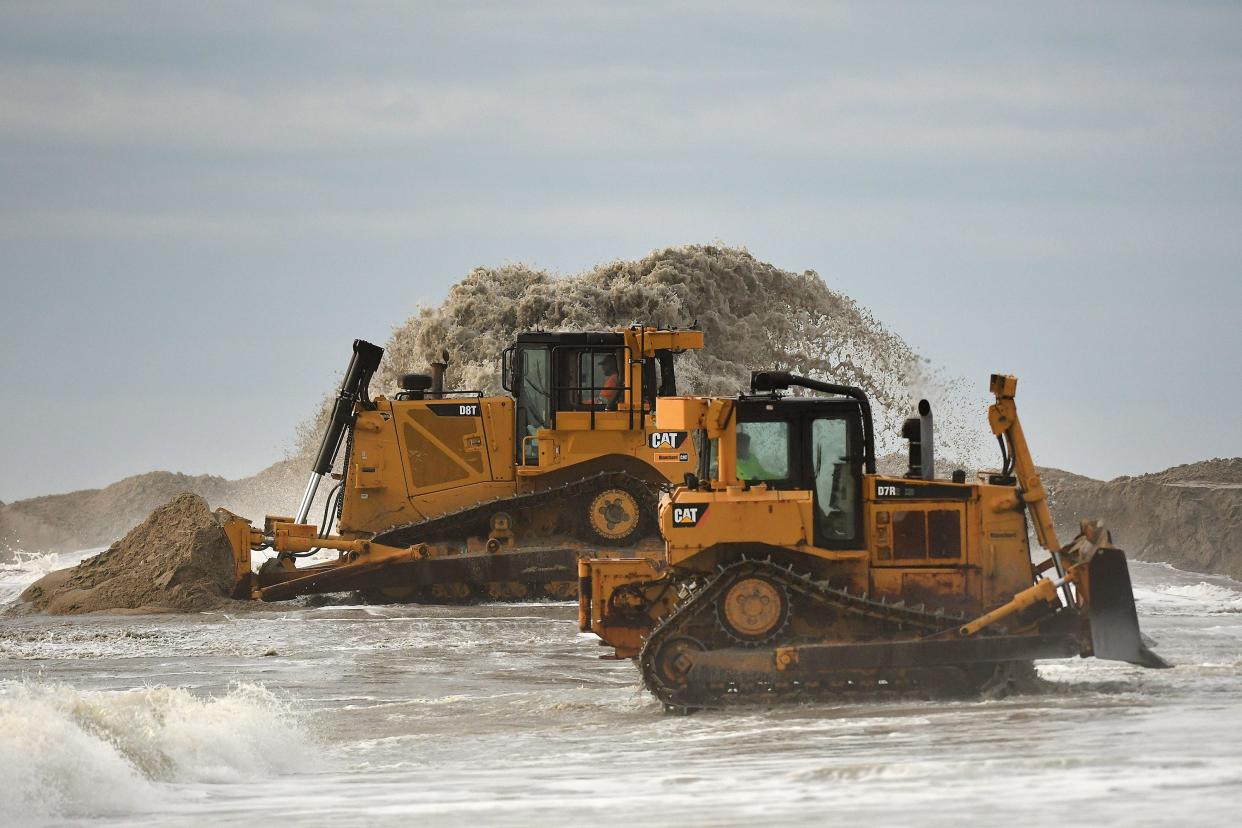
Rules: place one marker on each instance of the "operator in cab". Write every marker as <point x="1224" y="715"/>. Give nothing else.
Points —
<point x="748" y="466"/>
<point x="611" y="389"/>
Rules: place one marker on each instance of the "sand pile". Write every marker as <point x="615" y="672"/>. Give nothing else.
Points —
<point x="1189" y="516"/>
<point x="1220" y="472"/>
<point x="96" y="517"/>
<point x="178" y="559"/>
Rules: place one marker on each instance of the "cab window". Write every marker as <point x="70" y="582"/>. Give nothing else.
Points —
<point x="589" y="378"/>
<point x="599" y="380"/>
<point x="534" y="401"/>
<point x="763" y="451"/>
<point x="834" y="478"/>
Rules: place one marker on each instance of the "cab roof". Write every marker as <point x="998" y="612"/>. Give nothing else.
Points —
<point x="578" y="338"/>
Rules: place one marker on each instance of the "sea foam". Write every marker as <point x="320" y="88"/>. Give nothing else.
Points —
<point x="64" y="752"/>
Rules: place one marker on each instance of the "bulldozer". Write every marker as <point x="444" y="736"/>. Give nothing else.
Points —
<point x="450" y="496"/>
<point x="792" y="570"/>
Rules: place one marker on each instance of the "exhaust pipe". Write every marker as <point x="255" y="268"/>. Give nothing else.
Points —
<point x="354" y="388"/>
<point x="437" y="375"/>
<point x="920" y="431"/>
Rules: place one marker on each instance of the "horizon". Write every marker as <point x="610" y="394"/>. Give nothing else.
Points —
<point x="260" y="471"/>
<point x="201" y="208"/>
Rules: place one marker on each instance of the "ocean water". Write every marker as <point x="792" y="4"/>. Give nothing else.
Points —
<point x="505" y="715"/>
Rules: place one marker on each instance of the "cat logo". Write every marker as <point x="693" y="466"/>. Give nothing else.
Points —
<point x="688" y="515"/>
<point x="666" y="439"/>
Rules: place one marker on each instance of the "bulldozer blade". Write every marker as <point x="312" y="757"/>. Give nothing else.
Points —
<point x="530" y="565"/>
<point x="1115" y="633"/>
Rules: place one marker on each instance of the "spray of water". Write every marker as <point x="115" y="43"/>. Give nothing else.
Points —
<point x="66" y="752"/>
<point x="754" y="316"/>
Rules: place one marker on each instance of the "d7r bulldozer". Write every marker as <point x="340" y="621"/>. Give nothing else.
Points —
<point x="792" y="570"/>
<point x="452" y="496"/>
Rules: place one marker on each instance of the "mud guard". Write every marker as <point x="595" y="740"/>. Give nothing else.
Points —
<point x="1115" y="631"/>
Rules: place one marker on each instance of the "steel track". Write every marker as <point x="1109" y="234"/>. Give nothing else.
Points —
<point x="458" y="525"/>
<point x="891" y="620"/>
<point x="531" y="560"/>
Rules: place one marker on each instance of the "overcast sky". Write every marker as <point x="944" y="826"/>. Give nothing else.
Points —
<point x="201" y="205"/>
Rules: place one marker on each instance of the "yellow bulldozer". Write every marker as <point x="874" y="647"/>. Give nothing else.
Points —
<point x="453" y="496"/>
<point x="793" y="570"/>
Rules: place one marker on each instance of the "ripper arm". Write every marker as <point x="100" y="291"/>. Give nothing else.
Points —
<point x="1003" y="417"/>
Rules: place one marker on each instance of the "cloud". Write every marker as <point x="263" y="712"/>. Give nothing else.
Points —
<point x="1015" y="112"/>
<point x="1033" y="236"/>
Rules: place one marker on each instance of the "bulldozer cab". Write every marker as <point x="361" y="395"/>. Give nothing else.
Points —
<point x="810" y="444"/>
<point x="583" y="374"/>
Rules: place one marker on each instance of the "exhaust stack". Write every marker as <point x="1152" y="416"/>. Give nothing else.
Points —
<point x="920" y="431"/>
<point x="437" y="375"/>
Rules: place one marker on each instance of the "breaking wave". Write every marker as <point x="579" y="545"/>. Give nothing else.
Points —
<point x="69" y="753"/>
<point x="27" y="567"/>
<point x="1202" y="598"/>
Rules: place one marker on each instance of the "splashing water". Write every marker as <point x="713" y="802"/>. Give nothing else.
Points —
<point x="753" y="315"/>
<point x="504" y="715"/>
<point x="72" y="753"/>
<point x="27" y="567"/>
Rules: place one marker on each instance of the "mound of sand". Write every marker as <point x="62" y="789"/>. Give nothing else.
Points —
<point x="1189" y="516"/>
<point x="178" y="559"/>
<point x="96" y="517"/>
<point x="1217" y="473"/>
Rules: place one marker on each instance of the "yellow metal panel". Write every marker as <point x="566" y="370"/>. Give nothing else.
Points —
<point x="604" y="421"/>
<point x="1001" y="550"/>
<point x="892" y="525"/>
<point x="681" y="413"/>
<point x="460" y="497"/>
<point x="615" y="621"/>
<point x="692" y="521"/>
<point x="443" y="464"/>
<point x="374" y="500"/>
<point x="646" y="341"/>
<point x="498" y="428"/>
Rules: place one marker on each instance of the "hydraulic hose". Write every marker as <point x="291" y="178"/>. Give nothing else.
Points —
<point x="323" y="523"/>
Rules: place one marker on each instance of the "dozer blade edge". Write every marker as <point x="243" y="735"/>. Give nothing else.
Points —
<point x="1115" y="633"/>
<point x="534" y="566"/>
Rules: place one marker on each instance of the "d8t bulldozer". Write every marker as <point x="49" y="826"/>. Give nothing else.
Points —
<point x="792" y="570"/>
<point x="452" y="496"/>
